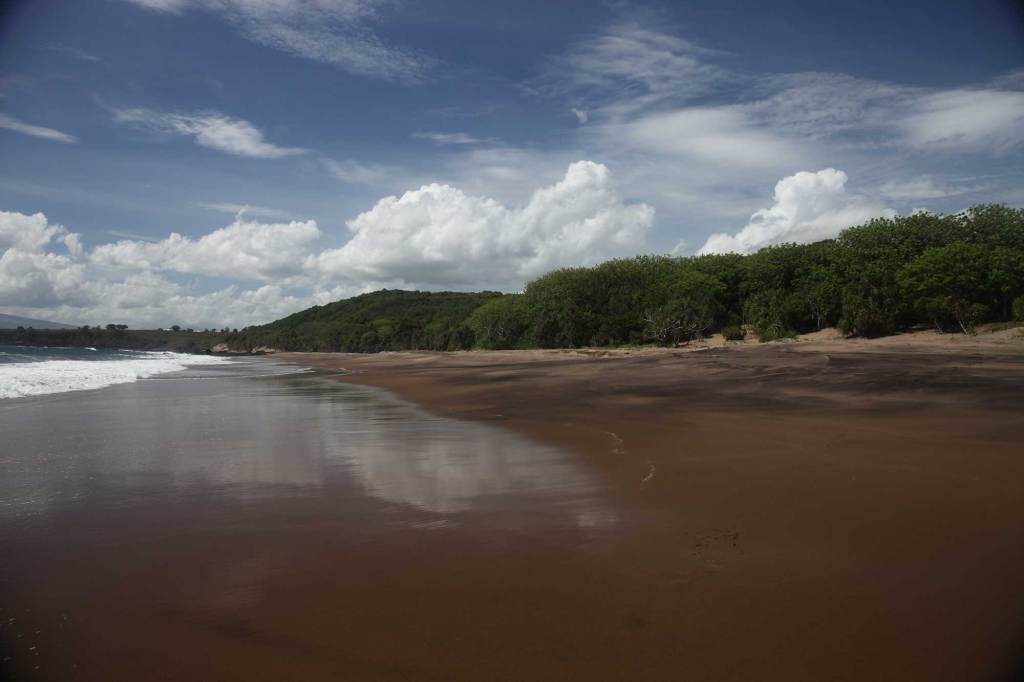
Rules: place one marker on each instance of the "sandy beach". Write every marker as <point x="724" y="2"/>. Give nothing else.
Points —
<point x="822" y="509"/>
<point x="816" y="510"/>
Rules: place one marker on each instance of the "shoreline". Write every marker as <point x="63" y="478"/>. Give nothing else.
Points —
<point x="859" y="500"/>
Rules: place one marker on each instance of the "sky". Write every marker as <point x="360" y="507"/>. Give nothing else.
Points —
<point x="221" y="163"/>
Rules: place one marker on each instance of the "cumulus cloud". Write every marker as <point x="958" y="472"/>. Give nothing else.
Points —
<point x="29" y="274"/>
<point x="438" y="235"/>
<point x="26" y="232"/>
<point x="807" y="207"/>
<point x="11" y="123"/>
<point x="210" y="129"/>
<point x="336" y="32"/>
<point x="244" y="249"/>
<point x="435" y="237"/>
<point x="38" y="279"/>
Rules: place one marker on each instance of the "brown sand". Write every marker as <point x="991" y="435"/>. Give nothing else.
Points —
<point x="813" y="510"/>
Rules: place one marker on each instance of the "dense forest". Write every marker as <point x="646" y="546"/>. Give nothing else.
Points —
<point x="947" y="271"/>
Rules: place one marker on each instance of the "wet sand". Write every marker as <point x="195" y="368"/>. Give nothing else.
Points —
<point x="808" y="511"/>
<point x="775" y="512"/>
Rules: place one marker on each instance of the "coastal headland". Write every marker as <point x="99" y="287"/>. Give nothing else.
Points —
<point x="821" y="509"/>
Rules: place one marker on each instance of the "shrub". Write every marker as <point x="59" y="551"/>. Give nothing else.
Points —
<point x="733" y="333"/>
<point x="1018" y="308"/>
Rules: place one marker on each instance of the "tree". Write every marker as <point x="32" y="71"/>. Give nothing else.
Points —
<point x="499" y="323"/>
<point x="690" y="311"/>
<point x="950" y="284"/>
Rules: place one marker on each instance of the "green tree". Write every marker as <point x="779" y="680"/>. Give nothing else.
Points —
<point x="692" y="305"/>
<point x="950" y="284"/>
<point x="500" y="323"/>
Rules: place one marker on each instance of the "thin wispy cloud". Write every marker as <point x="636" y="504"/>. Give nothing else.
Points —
<point x="449" y="138"/>
<point x="8" y="122"/>
<point x="209" y="129"/>
<point x="73" y="52"/>
<point x="630" y="67"/>
<point x="336" y="32"/>
<point x="357" y="173"/>
<point x="240" y="210"/>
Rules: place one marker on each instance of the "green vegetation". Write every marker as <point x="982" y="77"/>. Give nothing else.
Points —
<point x="951" y="272"/>
<point x="733" y="332"/>
<point x="114" y="336"/>
<point x="383" y="320"/>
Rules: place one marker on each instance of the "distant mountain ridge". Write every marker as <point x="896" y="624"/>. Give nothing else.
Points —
<point x="15" y="321"/>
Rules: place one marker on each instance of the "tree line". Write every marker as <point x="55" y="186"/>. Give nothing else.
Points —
<point x="948" y="271"/>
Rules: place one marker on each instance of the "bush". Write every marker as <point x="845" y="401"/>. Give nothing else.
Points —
<point x="1018" y="308"/>
<point x="774" y="332"/>
<point x="733" y="333"/>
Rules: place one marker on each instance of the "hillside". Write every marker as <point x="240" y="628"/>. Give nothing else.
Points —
<point x="382" y="320"/>
<point x="182" y="341"/>
<point x="15" y="321"/>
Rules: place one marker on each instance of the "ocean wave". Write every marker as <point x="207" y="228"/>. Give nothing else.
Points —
<point x="21" y="379"/>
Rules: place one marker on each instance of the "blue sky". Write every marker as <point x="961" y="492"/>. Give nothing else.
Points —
<point x="225" y="162"/>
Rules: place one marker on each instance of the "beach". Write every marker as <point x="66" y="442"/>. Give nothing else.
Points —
<point x="818" y="510"/>
<point x="789" y="511"/>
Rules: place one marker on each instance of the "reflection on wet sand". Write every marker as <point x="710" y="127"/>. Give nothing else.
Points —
<point x="257" y="437"/>
<point x="265" y="524"/>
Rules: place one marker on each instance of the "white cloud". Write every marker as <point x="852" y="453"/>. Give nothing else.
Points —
<point x="82" y="288"/>
<point x="356" y="173"/>
<point x="243" y="209"/>
<point x="174" y="6"/>
<point x="448" y="138"/>
<point x="440" y="236"/>
<point x="29" y="275"/>
<point x="967" y="119"/>
<point x="10" y="123"/>
<point x="917" y="188"/>
<point x="28" y="233"/>
<point x="40" y="279"/>
<point x="807" y="207"/>
<point x="631" y="67"/>
<point x="336" y="32"/>
<point x="437" y="236"/>
<point x="715" y="135"/>
<point x="581" y="116"/>
<point x="210" y="129"/>
<point x="246" y="250"/>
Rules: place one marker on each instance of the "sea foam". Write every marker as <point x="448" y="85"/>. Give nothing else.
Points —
<point x="21" y="379"/>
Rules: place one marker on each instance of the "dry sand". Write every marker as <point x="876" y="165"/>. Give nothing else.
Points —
<point x="811" y="510"/>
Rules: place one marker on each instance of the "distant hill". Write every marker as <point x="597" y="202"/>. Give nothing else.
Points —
<point x="382" y="320"/>
<point x="15" y="321"/>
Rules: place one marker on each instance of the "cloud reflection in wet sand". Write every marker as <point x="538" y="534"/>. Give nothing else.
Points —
<point x="242" y="437"/>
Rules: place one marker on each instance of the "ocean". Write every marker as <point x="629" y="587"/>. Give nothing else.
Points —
<point x="27" y="371"/>
<point x="212" y="518"/>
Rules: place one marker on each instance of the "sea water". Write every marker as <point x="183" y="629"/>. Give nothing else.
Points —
<point x="28" y="371"/>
